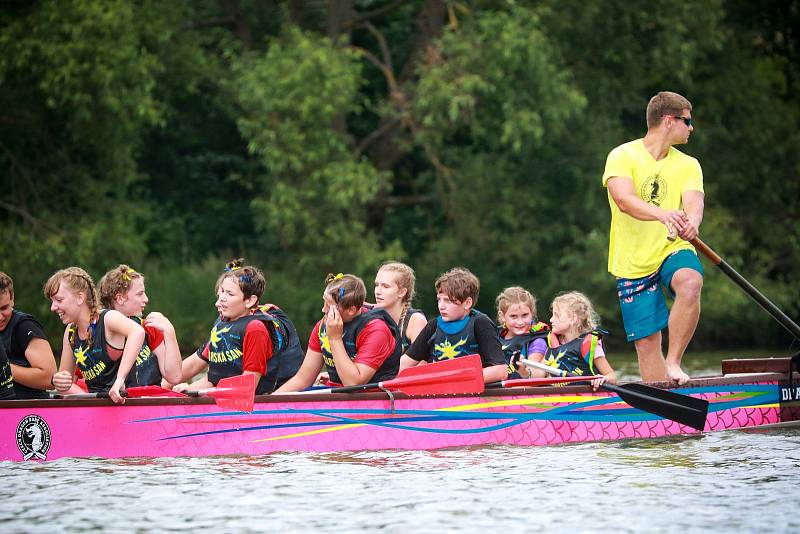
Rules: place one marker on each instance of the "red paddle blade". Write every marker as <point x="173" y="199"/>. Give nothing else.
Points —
<point x="449" y="377"/>
<point x="152" y="391"/>
<point x="234" y="393"/>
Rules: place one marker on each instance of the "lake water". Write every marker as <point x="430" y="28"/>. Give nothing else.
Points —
<point x="738" y="481"/>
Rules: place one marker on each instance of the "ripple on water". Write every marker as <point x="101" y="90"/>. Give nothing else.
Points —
<point x="730" y="481"/>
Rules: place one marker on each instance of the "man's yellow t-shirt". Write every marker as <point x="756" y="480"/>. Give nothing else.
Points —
<point x="637" y="248"/>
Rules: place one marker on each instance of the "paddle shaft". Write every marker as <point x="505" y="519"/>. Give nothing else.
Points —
<point x="748" y="288"/>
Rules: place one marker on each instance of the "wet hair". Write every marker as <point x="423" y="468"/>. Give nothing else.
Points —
<point x="405" y="279"/>
<point x="115" y="282"/>
<point x="459" y="284"/>
<point x="665" y="103"/>
<point x="579" y="304"/>
<point x="250" y="279"/>
<point x="6" y="285"/>
<point x="346" y="290"/>
<point x="514" y="295"/>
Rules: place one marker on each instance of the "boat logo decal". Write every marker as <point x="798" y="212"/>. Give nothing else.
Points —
<point x="790" y="393"/>
<point x="33" y="437"/>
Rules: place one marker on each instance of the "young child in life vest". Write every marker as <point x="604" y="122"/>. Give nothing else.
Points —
<point x="394" y="292"/>
<point x="574" y="343"/>
<point x="521" y="335"/>
<point x="353" y="344"/>
<point x="460" y="329"/>
<point x="243" y="340"/>
<point x="122" y="289"/>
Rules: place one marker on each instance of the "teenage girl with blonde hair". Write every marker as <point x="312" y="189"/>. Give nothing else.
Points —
<point x="394" y="292"/>
<point x="102" y="343"/>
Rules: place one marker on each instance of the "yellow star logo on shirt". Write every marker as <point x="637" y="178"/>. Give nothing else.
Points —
<point x="446" y="351"/>
<point x="80" y="355"/>
<point x="215" y="335"/>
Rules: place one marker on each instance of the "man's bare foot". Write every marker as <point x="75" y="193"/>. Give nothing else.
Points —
<point x="676" y="375"/>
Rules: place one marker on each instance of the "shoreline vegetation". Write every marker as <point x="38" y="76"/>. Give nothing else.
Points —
<point x="314" y="137"/>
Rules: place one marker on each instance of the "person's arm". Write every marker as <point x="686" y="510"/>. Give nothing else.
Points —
<point x="257" y="350"/>
<point x="63" y="379"/>
<point x="168" y="352"/>
<point x="624" y="196"/>
<point x="116" y="323"/>
<point x="415" y="325"/>
<point x="374" y="344"/>
<point x="33" y="343"/>
<point x="419" y="351"/>
<point x="694" y="205"/>
<point x="495" y="367"/>
<point x="305" y="376"/>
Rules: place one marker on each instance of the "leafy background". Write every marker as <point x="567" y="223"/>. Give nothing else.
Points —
<point x="315" y="137"/>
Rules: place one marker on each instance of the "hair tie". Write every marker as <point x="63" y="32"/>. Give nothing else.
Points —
<point x="244" y="278"/>
<point x="128" y="274"/>
<point x="332" y="278"/>
<point x="234" y="265"/>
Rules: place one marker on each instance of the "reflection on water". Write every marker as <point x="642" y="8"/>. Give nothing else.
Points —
<point x="730" y="481"/>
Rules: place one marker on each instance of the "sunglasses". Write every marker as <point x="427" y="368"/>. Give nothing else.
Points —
<point x="686" y="120"/>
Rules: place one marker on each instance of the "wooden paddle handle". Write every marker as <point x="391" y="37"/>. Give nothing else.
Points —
<point x="706" y="251"/>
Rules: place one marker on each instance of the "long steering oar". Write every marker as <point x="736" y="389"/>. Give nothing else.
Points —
<point x="233" y="393"/>
<point x="683" y="409"/>
<point x="450" y="377"/>
<point x="748" y="288"/>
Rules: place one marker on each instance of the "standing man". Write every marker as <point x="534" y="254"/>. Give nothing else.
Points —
<point x="656" y="191"/>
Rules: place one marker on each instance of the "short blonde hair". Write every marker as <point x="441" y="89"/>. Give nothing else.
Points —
<point x="579" y="304"/>
<point x="514" y="295"/>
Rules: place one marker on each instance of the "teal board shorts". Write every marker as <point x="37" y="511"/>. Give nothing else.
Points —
<point x="644" y="307"/>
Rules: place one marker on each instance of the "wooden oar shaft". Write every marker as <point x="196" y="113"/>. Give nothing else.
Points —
<point x="748" y="288"/>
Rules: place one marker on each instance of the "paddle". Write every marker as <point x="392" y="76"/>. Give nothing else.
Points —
<point x="683" y="409"/>
<point x="448" y="377"/>
<point x="232" y="393"/>
<point x="748" y="288"/>
<point x="518" y="382"/>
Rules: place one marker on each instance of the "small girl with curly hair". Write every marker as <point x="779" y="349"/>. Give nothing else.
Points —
<point x="521" y="335"/>
<point x="575" y="344"/>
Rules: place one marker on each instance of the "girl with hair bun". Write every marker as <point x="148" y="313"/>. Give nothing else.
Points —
<point x="102" y="343"/>
<point x="122" y="289"/>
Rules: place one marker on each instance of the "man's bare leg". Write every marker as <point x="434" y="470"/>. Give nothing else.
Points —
<point x="683" y="318"/>
<point x="651" y="359"/>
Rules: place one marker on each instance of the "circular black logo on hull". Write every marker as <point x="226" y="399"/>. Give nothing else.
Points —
<point x="33" y="438"/>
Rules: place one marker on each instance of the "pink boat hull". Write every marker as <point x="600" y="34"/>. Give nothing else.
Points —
<point x="48" y="430"/>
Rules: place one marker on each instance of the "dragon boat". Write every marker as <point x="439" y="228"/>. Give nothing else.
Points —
<point x="754" y="393"/>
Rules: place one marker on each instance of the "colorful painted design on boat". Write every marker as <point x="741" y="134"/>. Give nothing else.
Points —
<point x="182" y="427"/>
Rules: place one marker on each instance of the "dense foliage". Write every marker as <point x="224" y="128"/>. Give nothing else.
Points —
<point x="315" y="137"/>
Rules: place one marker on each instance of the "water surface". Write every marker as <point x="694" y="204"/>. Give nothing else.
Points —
<point x="738" y="481"/>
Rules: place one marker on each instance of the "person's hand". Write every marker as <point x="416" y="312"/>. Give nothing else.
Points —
<point x="62" y="381"/>
<point x="333" y="324"/>
<point x="522" y="370"/>
<point x="114" y="392"/>
<point x="180" y="388"/>
<point x="690" y="231"/>
<point x="597" y="382"/>
<point x="675" y="221"/>
<point x="159" y="321"/>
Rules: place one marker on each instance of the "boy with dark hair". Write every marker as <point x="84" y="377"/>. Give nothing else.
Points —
<point x="460" y="329"/>
<point x="29" y="353"/>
